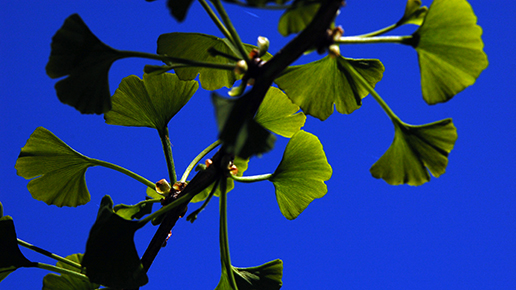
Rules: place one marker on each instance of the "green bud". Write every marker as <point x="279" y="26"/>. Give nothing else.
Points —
<point x="263" y="45"/>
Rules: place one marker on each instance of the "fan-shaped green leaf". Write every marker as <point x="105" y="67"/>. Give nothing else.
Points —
<point x="414" y="13"/>
<point x="278" y="114"/>
<point x="196" y="46"/>
<point x="135" y="211"/>
<point x="450" y="50"/>
<point x="111" y="258"/>
<point x="79" y="54"/>
<point x="264" y="277"/>
<point x="57" y="169"/>
<point x="11" y="258"/>
<point x="299" y="179"/>
<point x="241" y="164"/>
<point x="298" y="16"/>
<point x="241" y="139"/>
<point x="413" y="149"/>
<point x="150" y="102"/>
<point x="66" y="282"/>
<point x="317" y="86"/>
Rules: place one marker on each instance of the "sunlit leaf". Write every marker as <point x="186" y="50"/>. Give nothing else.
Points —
<point x="111" y="258"/>
<point x="196" y="46"/>
<point x="77" y="53"/>
<point x="317" y="86"/>
<point x="241" y="164"/>
<point x="299" y="178"/>
<point x="264" y="277"/>
<point x="11" y="258"/>
<point x="414" y="13"/>
<point x="135" y="211"/>
<point x="298" y="16"/>
<point x="278" y="114"/>
<point x="450" y="50"/>
<point x="66" y="282"/>
<point x="57" y="170"/>
<point x="150" y="102"/>
<point x="414" y="150"/>
<point x="243" y="139"/>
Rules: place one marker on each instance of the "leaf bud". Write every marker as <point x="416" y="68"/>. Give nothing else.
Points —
<point x="163" y="187"/>
<point x="263" y="45"/>
<point x="334" y="51"/>
<point x="241" y="67"/>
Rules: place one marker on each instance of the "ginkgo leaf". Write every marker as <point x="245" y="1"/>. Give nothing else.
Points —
<point x="11" y="258"/>
<point x="298" y="16"/>
<point x="57" y="170"/>
<point x="260" y="3"/>
<point x="316" y="87"/>
<point x="77" y="53"/>
<point x="278" y="114"/>
<point x="264" y="277"/>
<point x="299" y="178"/>
<point x="450" y="50"/>
<point x="65" y="281"/>
<point x="178" y="8"/>
<point x="150" y="102"/>
<point x="197" y="46"/>
<point x="241" y="164"/>
<point x="111" y="258"/>
<point x="414" y="13"/>
<point x="135" y="211"/>
<point x="414" y="150"/>
<point x="241" y="139"/>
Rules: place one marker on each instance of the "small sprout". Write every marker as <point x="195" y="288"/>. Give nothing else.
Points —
<point x="263" y="45"/>
<point x="233" y="169"/>
<point x="200" y="167"/>
<point x="337" y="33"/>
<point x="241" y="67"/>
<point x="334" y="51"/>
<point x="208" y="162"/>
<point x="163" y="187"/>
<point x="254" y="53"/>
<point x="179" y="186"/>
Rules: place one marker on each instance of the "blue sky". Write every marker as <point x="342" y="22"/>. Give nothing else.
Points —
<point x="456" y="232"/>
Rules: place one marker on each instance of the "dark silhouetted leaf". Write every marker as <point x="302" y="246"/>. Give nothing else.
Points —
<point x="278" y="114"/>
<point x="57" y="169"/>
<point x="299" y="178"/>
<point x="11" y="258"/>
<point x="80" y="55"/>
<point x="244" y="140"/>
<point x="316" y="87"/>
<point x="413" y="149"/>
<point x="111" y="258"/>
<point x="450" y="50"/>
<point x="150" y="102"/>
<point x="67" y="282"/>
<point x="297" y="17"/>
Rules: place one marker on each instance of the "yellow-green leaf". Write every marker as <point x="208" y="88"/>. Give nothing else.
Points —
<point x="414" y="150"/>
<point x="65" y="281"/>
<point x="278" y="114"/>
<point x="299" y="178"/>
<point x="450" y="50"/>
<point x="57" y="169"/>
<point x="414" y="13"/>
<point x="264" y="277"/>
<point x="316" y="87"/>
<point x="150" y="102"/>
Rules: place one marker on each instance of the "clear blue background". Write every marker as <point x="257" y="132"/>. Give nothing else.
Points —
<point x="456" y="232"/>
